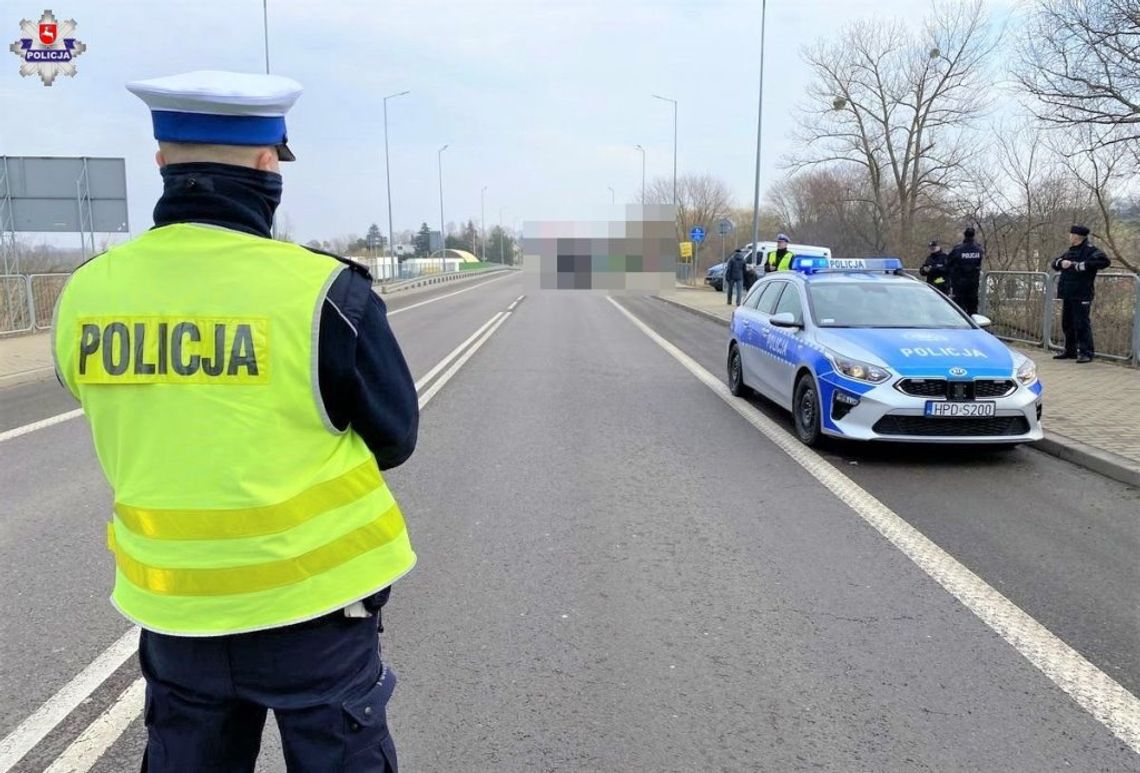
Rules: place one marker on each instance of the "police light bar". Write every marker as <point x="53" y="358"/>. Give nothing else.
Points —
<point x="813" y="265"/>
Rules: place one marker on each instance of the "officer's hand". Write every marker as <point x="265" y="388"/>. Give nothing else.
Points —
<point x="1066" y="263"/>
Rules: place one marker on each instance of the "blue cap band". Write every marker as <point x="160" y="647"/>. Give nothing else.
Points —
<point x="205" y="129"/>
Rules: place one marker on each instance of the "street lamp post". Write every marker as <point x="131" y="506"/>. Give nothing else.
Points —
<point x="667" y="99"/>
<point x="613" y="196"/>
<point x="483" y="223"/>
<point x="442" y="236"/>
<point x="387" y="173"/>
<point x="265" y="27"/>
<point x="759" y="125"/>
<point x="642" y="173"/>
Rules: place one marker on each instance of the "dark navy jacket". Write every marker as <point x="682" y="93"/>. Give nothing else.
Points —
<point x="1078" y="281"/>
<point x="363" y="377"/>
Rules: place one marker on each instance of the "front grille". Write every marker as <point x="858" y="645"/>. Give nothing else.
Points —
<point x="923" y="387"/>
<point x="922" y="426"/>
<point x="999" y="387"/>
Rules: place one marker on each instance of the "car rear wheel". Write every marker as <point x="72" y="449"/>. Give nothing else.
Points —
<point x="806" y="413"/>
<point x="736" y="373"/>
<point x="718" y="286"/>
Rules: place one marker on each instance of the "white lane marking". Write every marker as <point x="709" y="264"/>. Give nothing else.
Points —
<point x="454" y="353"/>
<point x="438" y="385"/>
<point x="86" y="750"/>
<point x="1096" y="692"/>
<point x="41" y="424"/>
<point x="36" y="727"/>
<point x="516" y="303"/>
<point x="33" y="729"/>
<point x="23" y="373"/>
<point x="402" y="309"/>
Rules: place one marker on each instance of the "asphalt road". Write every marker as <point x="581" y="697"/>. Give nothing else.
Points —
<point x="618" y="573"/>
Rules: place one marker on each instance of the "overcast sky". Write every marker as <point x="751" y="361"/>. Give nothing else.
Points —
<point x="542" y="101"/>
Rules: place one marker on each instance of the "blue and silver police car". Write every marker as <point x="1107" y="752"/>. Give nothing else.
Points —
<point x="857" y="349"/>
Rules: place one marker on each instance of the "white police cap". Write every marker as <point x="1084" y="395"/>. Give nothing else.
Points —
<point x="220" y="108"/>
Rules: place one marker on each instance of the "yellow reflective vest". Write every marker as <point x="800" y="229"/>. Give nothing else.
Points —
<point x="784" y="265"/>
<point x="238" y="505"/>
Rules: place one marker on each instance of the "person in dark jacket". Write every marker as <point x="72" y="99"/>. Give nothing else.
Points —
<point x="964" y="269"/>
<point x="734" y="277"/>
<point x="934" y="268"/>
<point x="1075" y="288"/>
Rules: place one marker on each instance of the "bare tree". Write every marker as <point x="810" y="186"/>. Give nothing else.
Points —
<point x="898" y="106"/>
<point x="1080" y="61"/>
<point x="701" y="200"/>
<point x="830" y="206"/>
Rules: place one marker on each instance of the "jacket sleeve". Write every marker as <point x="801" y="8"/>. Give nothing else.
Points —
<point x="1057" y="263"/>
<point x="1097" y="261"/>
<point x="364" y="379"/>
<point x="924" y="269"/>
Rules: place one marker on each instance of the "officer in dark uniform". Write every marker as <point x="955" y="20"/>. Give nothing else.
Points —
<point x="934" y="268"/>
<point x="964" y="267"/>
<point x="1075" y="287"/>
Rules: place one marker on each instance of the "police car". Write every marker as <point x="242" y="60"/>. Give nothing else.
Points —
<point x="857" y="349"/>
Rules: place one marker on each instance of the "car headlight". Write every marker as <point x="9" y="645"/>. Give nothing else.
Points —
<point x="1026" y="372"/>
<point x="860" y="371"/>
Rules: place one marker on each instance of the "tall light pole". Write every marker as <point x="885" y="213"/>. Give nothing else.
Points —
<point x="387" y="173"/>
<point x="667" y="99"/>
<point x="642" y="173"/>
<point x="759" y="125"/>
<point x="613" y="196"/>
<point x="483" y="222"/>
<point x="265" y="27"/>
<point x="442" y="235"/>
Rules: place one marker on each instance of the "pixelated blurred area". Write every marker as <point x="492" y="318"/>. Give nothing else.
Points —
<point x="638" y="254"/>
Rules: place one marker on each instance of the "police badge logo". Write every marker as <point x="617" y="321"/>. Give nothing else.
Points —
<point x="47" y="48"/>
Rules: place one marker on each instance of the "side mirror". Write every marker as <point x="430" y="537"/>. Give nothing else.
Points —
<point x="785" y="319"/>
<point x="982" y="321"/>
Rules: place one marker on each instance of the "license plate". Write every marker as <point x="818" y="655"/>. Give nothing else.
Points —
<point x="944" y="410"/>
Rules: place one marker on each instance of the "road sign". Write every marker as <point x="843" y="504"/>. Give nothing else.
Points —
<point x="724" y="226"/>
<point x="686" y="249"/>
<point x="697" y="234"/>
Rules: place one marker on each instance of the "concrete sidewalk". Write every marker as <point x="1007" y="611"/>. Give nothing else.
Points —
<point x="1092" y="412"/>
<point x="25" y="358"/>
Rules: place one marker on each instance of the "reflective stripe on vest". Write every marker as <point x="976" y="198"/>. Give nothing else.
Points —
<point x="238" y="506"/>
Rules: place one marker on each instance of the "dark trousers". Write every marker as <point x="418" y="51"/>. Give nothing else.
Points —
<point x="966" y="296"/>
<point x="206" y="698"/>
<point x="1077" y="326"/>
<point x="734" y="286"/>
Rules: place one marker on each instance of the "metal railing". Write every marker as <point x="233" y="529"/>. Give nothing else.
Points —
<point x="27" y="301"/>
<point x="1024" y="307"/>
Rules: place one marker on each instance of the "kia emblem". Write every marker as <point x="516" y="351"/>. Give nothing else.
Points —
<point x="959" y="372"/>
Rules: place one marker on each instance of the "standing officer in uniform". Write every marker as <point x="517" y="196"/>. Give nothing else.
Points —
<point x="244" y="395"/>
<point x="781" y="259"/>
<point x="1075" y="287"/>
<point x="934" y="268"/>
<point x="964" y="266"/>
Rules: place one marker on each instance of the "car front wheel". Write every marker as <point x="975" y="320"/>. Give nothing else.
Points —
<point x="806" y="412"/>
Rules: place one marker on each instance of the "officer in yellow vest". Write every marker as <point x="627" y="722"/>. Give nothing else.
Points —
<point x="781" y="258"/>
<point x="244" y="395"/>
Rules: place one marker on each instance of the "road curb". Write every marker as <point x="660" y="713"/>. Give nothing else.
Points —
<point x="1073" y="451"/>
<point x="1092" y="458"/>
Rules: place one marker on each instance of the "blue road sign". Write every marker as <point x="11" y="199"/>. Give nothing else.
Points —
<point x="697" y="234"/>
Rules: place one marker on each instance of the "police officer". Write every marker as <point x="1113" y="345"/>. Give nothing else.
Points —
<point x="244" y="395"/>
<point x="964" y="268"/>
<point x="934" y="268"/>
<point x="781" y="258"/>
<point x="734" y="276"/>
<point x="1075" y="287"/>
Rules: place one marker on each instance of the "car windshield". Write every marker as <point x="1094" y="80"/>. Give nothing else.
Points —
<point x="882" y="304"/>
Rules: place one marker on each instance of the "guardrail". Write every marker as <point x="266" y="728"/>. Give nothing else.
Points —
<point x="27" y="301"/>
<point x="1024" y="308"/>
<point x="430" y="279"/>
